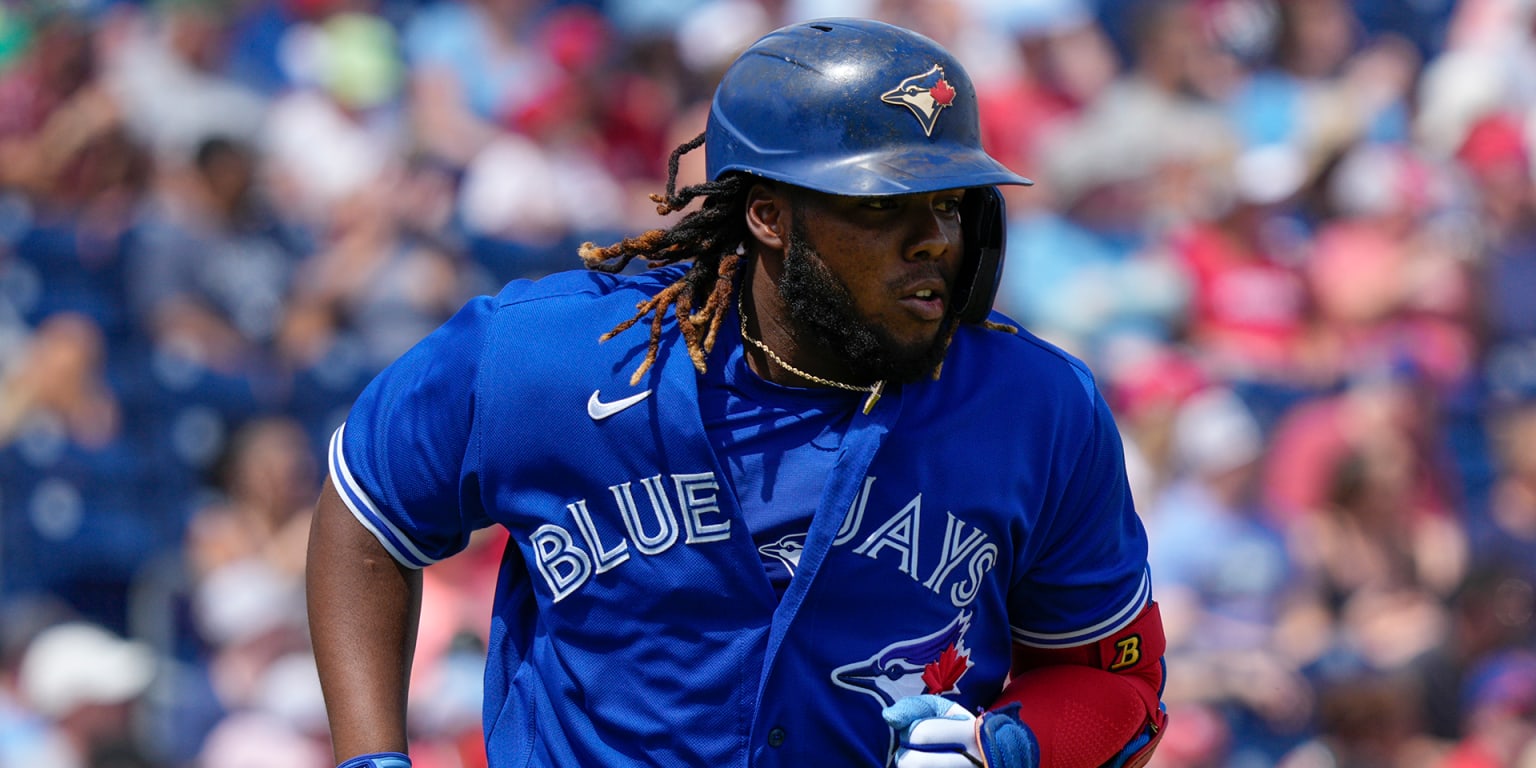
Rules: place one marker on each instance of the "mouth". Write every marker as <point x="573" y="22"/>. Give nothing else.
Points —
<point x="926" y="302"/>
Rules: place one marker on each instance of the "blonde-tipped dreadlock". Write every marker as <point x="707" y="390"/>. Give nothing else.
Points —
<point x="710" y="236"/>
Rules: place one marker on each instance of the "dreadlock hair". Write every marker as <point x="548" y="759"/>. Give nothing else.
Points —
<point x="710" y="236"/>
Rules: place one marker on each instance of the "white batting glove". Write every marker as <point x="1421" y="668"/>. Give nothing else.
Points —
<point x="934" y="732"/>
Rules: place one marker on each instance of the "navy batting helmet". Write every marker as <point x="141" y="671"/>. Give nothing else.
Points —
<point x="859" y="107"/>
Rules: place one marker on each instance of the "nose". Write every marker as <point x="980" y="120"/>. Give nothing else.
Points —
<point x="936" y="235"/>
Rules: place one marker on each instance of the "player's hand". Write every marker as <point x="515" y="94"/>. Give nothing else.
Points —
<point x="378" y="760"/>
<point x="934" y="732"/>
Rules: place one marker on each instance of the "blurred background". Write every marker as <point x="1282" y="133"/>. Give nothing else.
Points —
<point x="1295" y="239"/>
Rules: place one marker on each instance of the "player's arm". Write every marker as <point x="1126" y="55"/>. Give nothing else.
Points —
<point x="392" y="504"/>
<point x="1096" y="700"/>
<point x="1069" y="703"/>
<point x="363" y="612"/>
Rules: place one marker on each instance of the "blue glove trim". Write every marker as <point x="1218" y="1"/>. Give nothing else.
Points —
<point x="938" y="747"/>
<point x="1006" y="741"/>
<point x="378" y="760"/>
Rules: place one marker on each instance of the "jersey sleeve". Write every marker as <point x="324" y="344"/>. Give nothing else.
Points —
<point x="406" y="461"/>
<point x="1088" y="577"/>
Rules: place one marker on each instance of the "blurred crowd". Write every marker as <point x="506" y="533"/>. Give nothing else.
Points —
<point x="1295" y="239"/>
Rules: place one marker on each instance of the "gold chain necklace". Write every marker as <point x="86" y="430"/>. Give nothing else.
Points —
<point x="874" y="390"/>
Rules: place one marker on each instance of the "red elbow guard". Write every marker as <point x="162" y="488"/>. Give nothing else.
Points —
<point x="1094" y="704"/>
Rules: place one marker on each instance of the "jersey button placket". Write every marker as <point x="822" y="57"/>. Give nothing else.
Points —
<point x="776" y="737"/>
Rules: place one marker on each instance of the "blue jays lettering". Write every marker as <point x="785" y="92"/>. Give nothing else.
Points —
<point x="684" y="508"/>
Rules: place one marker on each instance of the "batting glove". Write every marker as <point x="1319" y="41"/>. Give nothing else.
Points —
<point x="934" y="732"/>
<point x="378" y="760"/>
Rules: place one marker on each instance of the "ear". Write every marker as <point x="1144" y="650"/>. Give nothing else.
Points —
<point x="768" y="215"/>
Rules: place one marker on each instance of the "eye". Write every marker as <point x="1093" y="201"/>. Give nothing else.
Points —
<point x="879" y="203"/>
<point x="948" y="204"/>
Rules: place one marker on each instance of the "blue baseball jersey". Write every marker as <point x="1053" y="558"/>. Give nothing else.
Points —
<point x="777" y="445"/>
<point x="634" y="623"/>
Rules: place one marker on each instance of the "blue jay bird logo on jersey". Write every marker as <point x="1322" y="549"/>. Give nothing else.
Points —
<point x="929" y="664"/>
<point x="926" y="95"/>
<point x="786" y="550"/>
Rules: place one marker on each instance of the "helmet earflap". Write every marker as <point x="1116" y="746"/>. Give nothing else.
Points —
<point x="982" y="219"/>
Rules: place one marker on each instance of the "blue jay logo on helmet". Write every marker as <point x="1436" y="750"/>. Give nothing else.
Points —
<point x="926" y="95"/>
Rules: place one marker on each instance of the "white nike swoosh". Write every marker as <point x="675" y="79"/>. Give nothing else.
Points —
<point x="600" y="410"/>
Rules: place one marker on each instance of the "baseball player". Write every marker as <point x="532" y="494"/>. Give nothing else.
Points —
<point x="792" y="496"/>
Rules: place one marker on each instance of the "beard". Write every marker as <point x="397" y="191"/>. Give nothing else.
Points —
<point x="821" y="309"/>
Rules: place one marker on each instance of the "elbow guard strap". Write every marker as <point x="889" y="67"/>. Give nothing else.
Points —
<point x="378" y="760"/>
